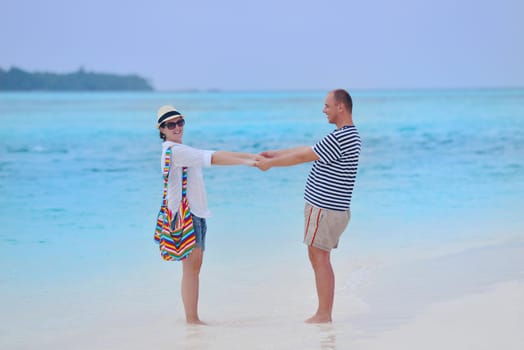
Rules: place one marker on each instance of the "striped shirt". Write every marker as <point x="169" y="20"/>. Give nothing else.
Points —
<point x="332" y="178"/>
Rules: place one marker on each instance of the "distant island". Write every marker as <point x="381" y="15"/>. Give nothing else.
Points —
<point x="16" y="79"/>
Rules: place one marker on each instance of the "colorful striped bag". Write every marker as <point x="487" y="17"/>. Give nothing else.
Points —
<point x="175" y="244"/>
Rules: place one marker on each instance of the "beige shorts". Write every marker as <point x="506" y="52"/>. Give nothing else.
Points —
<point x="323" y="227"/>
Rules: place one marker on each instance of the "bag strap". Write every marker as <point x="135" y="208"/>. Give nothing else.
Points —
<point x="165" y="174"/>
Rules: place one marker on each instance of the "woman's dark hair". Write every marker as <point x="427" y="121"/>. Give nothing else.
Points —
<point x="162" y="135"/>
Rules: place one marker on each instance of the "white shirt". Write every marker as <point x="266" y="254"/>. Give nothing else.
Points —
<point x="195" y="159"/>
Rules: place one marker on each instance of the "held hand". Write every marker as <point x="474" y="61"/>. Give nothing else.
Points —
<point x="263" y="164"/>
<point x="252" y="160"/>
<point x="268" y="154"/>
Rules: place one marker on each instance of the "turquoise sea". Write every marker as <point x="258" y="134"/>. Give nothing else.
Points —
<point x="80" y="187"/>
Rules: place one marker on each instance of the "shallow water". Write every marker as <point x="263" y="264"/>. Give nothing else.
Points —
<point x="80" y="187"/>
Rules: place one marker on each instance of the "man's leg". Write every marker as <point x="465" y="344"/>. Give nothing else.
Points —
<point x="190" y="285"/>
<point x="325" y="282"/>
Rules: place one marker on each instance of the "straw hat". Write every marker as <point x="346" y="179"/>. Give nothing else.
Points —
<point x="166" y="113"/>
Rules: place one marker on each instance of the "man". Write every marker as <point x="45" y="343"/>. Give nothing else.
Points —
<point x="328" y="192"/>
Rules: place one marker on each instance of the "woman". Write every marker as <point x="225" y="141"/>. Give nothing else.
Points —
<point x="171" y="123"/>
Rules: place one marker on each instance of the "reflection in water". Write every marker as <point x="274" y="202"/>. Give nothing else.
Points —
<point x="195" y="338"/>
<point x="328" y="337"/>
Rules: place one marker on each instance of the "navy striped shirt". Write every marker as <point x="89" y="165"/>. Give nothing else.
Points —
<point x="332" y="178"/>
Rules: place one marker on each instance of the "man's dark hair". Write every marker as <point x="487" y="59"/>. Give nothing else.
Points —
<point x="342" y="96"/>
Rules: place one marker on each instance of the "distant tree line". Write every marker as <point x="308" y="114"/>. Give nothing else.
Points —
<point x="16" y="79"/>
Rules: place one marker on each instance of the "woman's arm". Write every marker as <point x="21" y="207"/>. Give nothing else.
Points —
<point x="233" y="158"/>
<point x="287" y="157"/>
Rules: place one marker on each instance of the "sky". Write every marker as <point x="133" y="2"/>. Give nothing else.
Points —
<point x="272" y="44"/>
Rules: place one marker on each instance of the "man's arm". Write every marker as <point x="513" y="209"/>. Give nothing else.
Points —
<point x="280" y="152"/>
<point x="287" y="157"/>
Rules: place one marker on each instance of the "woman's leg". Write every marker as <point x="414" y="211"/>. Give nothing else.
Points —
<point x="190" y="284"/>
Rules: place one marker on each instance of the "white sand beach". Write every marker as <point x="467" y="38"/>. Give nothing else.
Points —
<point x="465" y="300"/>
<point x="493" y="319"/>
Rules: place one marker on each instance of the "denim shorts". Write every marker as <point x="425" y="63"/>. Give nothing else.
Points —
<point x="200" y="226"/>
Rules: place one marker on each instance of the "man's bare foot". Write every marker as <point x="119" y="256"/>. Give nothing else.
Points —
<point x="319" y="319"/>
<point x="196" y="322"/>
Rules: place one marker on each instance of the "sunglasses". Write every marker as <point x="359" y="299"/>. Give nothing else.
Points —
<point x="171" y="125"/>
